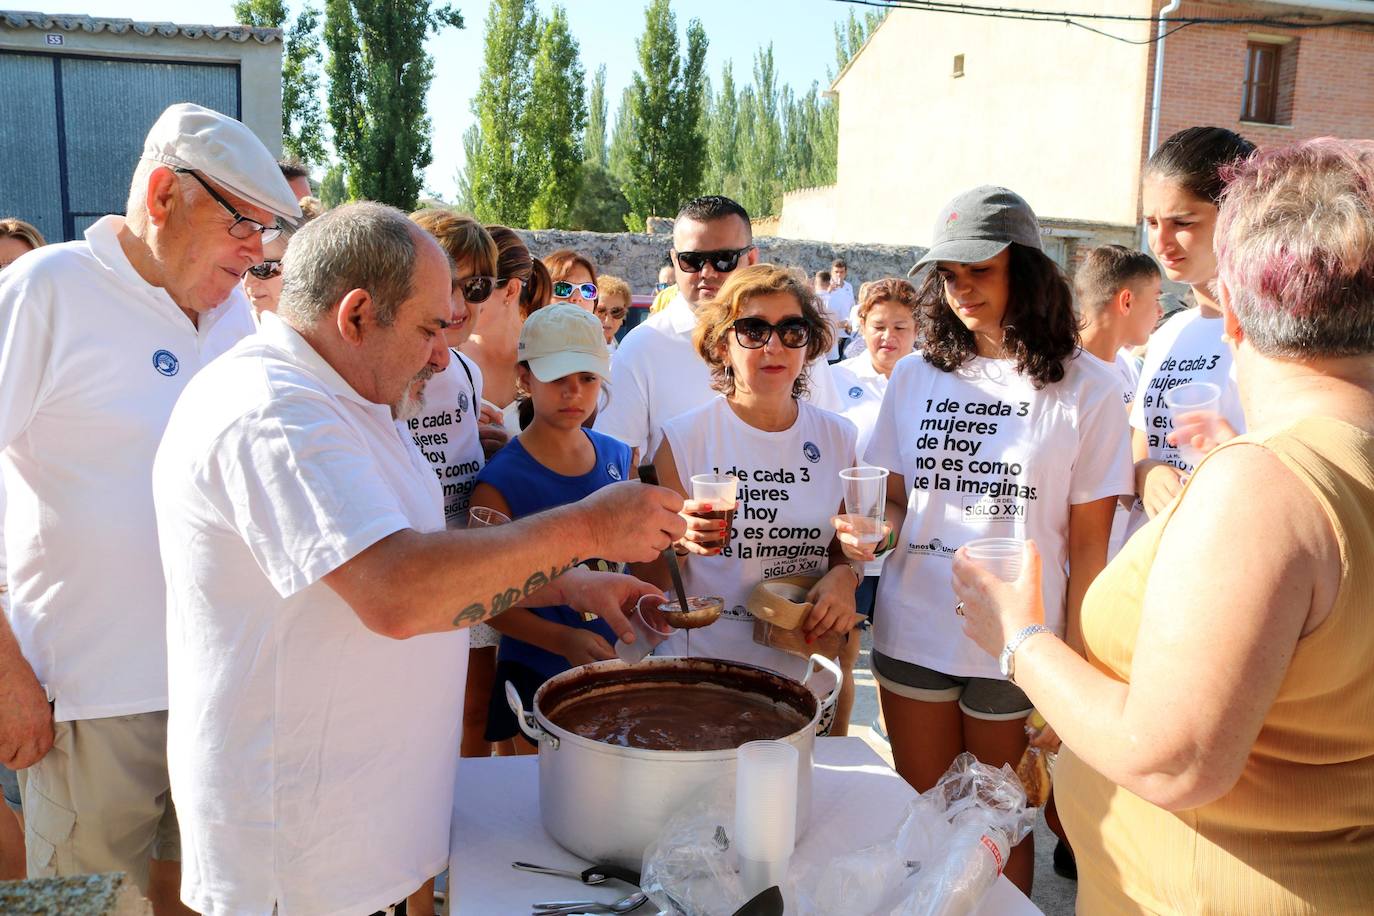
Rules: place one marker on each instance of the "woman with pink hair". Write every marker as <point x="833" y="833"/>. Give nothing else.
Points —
<point x="1219" y="730"/>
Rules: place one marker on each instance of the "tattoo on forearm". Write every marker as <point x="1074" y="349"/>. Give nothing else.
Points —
<point x="474" y="614"/>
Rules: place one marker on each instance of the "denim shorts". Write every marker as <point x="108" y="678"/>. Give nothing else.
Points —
<point x="987" y="698"/>
<point x="10" y="783"/>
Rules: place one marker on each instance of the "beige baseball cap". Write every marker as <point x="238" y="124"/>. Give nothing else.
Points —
<point x="187" y="136"/>
<point x="562" y="339"/>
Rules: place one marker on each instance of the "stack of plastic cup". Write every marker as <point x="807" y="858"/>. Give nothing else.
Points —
<point x="999" y="556"/>
<point x="765" y="813"/>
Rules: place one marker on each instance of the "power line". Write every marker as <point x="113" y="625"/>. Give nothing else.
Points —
<point x="1068" y="18"/>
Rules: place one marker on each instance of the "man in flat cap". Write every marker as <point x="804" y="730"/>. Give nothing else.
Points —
<point x="97" y="340"/>
<point x="317" y="607"/>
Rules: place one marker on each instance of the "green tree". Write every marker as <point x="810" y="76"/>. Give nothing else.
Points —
<point x="722" y="138"/>
<point x="472" y="139"/>
<point x="556" y="120"/>
<point x="761" y="164"/>
<point x="623" y="138"/>
<point x="503" y="185"/>
<point x="594" y="143"/>
<point x="379" y="74"/>
<point x="852" y="35"/>
<point x="668" y="158"/>
<point x="334" y="186"/>
<point x="302" y="122"/>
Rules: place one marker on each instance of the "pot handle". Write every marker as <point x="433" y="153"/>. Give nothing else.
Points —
<point x="816" y="663"/>
<point x="526" y="720"/>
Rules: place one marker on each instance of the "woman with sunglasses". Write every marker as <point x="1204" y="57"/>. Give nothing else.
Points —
<point x="996" y="429"/>
<point x="758" y="335"/>
<point x="612" y="307"/>
<point x="262" y="282"/>
<point x="522" y="287"/>
<point x="574" y="278"/>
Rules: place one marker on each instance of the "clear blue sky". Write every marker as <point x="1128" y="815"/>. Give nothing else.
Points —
<point x="802" y="33"/>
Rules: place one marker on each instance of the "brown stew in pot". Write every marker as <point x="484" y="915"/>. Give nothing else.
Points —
<point x="662" y="718"/>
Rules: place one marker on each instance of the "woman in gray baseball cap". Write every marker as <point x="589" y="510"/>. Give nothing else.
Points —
<point x="995" y="431"/>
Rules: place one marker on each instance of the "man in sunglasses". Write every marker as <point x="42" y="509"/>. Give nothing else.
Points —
<point x="98" y="338"/>
<point x="657" y="373"/>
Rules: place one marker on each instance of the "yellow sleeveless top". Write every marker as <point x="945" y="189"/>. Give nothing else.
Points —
<point x="1296" y="833"/>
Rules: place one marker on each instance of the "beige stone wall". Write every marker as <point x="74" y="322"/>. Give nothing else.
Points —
<point x="259" y="64"/>
<point x="1051" y="111"/>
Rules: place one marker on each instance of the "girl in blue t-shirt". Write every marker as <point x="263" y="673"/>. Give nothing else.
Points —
<point x="555" y="461"/>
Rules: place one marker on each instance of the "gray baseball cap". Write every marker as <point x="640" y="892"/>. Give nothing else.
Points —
<point x="980" y="224"/>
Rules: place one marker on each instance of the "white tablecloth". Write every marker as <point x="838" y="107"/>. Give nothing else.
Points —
<point x="496" y="822"/>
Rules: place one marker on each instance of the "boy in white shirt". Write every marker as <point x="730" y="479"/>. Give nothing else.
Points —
<point x="1116" y="293"/>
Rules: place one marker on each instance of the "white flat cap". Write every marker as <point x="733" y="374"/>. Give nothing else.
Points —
<point x="187" y="136"/>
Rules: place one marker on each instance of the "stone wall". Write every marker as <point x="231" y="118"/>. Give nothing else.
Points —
<point x="636" y="257"/>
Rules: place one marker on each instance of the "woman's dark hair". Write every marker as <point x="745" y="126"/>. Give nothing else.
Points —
<point x="1194" y="158"/>
<point x="1040" y="326"/>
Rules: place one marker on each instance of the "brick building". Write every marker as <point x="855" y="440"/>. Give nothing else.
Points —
<point x="936" y="103"/>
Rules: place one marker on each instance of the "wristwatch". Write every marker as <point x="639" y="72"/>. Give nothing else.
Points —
<point x="1007" y="660"/>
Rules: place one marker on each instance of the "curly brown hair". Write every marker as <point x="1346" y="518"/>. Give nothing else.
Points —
<point x="1041" y="330"/>
<point x="716" y="315"/>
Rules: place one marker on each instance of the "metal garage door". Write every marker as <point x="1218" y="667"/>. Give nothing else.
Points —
<point x="84" y="121"/>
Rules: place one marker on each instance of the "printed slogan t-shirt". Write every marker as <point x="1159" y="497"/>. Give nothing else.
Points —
<point x="1188" y="348"/>
<point x="789" y="488"/>
<point x="446" y="434"/>
<point x="984" y="454"/>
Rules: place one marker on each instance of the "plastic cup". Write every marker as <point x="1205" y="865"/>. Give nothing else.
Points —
<point x="765" y="813"/>
<point x="646" y="637"/>
<point x="721" y="492"/>
<point x="485" y="517"/>
<point x="999" y="556"/>
<point x="1193" y="398"/>
<point x="865" y="501"/>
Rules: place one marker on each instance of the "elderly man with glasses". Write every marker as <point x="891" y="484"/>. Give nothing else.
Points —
<point x="657" y="374"/>
<point x="97" y="340"/>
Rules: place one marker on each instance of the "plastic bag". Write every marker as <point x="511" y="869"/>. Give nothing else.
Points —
<point x="987" y="813"/>
<point x="942" y="859"/>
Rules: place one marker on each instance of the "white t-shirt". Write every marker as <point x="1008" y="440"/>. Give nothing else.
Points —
<point x="446" y="434"/>
<point x="1128" y="375"/>
<point x="1128" y="367"/>
<point x="92" y="358"/>
<point x="4" y="588"/>
<point x="987" y="455"/>
<point x="657" y="374"/>
<point x="861" y="388"/>
<point x="312" y="760"/>
<point x="1187" y="348"/>
<point x="842" y="302"/>
<point x="789" y="487"/>
<point x="834" y="317"/>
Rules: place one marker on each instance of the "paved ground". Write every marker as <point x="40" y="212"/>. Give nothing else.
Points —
<point x="1053" y="894"/>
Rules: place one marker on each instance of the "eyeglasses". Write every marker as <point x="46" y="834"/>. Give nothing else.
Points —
<point x="562" y="289"/>
<point x="266" y="270"/>
<point x="722" y="261"/>
<point x="477" y="289"/>
<point x="615" y="314"/>
<point x="754" y="333"/>
<point x="660" y="287"/>
<point x="242" y="227"/>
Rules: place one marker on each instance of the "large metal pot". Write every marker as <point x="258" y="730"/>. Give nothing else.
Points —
<point x="606" y="803"/>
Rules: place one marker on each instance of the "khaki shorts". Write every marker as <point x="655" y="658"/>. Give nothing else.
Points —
<point x="100" y="800"/>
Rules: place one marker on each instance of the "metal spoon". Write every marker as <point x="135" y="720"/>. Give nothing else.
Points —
<point x="597" y="874"/>
<point x="570" y="908"/>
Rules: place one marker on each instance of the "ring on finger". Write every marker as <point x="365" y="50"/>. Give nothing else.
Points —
<point x="959" y="609"/>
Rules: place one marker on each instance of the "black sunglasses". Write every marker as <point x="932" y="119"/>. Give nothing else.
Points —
<point x="562" y="289"/>
<point x="722" y="261"/>
<point x="477" y="289"/>
<point x="242" y="227"/>
<point x="266" y="270"/>
<point x="753" y="333"/>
